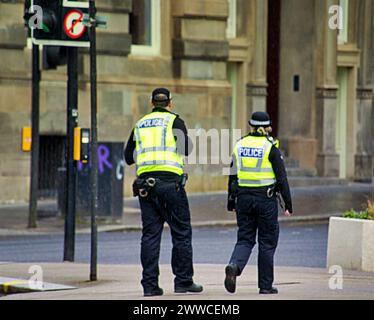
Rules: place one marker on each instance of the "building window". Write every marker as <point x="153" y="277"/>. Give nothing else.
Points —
<point x="237" y="19"/>
<point x="343" y="33"/>
<point x="242" y="9"/>
<point x="145" y="27"/>
<point x="231" y="21"/>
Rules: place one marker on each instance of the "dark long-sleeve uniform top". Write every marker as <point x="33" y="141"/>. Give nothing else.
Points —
<point x="184" y="146"/>
<point x="276" y="160"/>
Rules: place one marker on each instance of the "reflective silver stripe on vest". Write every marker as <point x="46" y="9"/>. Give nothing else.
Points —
<point x="138" y="140"/>
<point x="155" y="149"/>
<point x="256" y="182"/>
<point x="258" y="168"/>
<point x="266" y="148"/>
<point x="160" y="162"/>
<point x="163" y="141"/>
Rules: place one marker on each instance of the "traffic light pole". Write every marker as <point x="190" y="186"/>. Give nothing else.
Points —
<point x="94" y="167"/>
<point x="71" y="176"/>
<point x="34" y="168"/>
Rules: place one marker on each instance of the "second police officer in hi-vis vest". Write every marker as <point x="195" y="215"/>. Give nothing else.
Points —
<point x="157" y="146"/>
<point x="257" y="177"/>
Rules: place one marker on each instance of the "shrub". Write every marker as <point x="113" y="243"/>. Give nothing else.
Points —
<point x="352" y="214"/>
<point x="367" y="214"/>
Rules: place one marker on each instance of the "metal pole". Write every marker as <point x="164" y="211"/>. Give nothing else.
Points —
<point x="71" y="177"/>
<point x="94" y="168"/>
<point x="34" y="167"/>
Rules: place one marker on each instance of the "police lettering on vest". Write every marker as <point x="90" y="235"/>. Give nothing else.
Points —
<point x="251" y="152"/>
<point x="151" y="123"/>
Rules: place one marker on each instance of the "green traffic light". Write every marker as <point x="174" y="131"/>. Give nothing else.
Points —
<point x="45" y="28"/>
<point x="49" y="21"/>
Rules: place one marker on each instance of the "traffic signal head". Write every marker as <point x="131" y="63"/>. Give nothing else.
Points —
<point x="44" y="19"/>
<point x="57" y="22"/>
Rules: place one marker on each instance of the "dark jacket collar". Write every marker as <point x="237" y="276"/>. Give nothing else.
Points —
<point x="159" y="109"/>
<point x="256" y="135"/>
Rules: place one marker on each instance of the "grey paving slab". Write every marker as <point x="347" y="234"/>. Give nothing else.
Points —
<point x="122" y="282"/>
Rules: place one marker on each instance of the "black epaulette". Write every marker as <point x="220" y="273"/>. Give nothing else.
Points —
<point x="273" y="141"/>
<point x="177" y="115"/>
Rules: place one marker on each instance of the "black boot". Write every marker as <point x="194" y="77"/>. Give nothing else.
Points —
<point x="194" y="288"/>
<point x="269" y="291"/>
<point x="155" y="292"/>
<point x="232" y="271"/>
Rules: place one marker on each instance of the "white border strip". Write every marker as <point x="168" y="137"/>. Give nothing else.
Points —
<point x="82" y="44"/>
<point x="73" y="4"/>
<point x="259" y="123"/>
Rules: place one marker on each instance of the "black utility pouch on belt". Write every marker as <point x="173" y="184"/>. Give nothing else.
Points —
<point x="142" y="187"/>
<point x="184" y="179"/>
<point x="181" y="182"/>
<point x="136" y="186"/>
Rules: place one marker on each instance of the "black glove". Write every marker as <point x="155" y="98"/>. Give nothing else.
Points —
<point x="231" y="203"/>
<point x="233" y="191"/>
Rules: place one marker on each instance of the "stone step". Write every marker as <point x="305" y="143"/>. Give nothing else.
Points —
<point x="306" y="181"/>
<point x="300" y="172"/>
<point x="291" y="163"/>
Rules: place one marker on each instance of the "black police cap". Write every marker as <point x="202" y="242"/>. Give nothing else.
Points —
<point x="260" y="119"/>
<point x="161" y="94"/>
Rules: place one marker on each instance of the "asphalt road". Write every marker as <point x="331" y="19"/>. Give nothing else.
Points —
<point x="299" y="245"/>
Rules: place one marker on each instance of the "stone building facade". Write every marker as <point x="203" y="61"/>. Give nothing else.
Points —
<point x="222" y="59"/>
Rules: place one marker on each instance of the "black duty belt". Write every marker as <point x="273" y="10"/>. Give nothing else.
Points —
<point x="268" y="191"/>
<point x="144" y="184"/>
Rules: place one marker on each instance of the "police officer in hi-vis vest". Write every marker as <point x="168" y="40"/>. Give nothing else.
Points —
<point x="157" y="146"/>
<point x="257" y="178"/>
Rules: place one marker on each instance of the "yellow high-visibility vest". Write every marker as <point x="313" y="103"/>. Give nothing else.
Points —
<point x="252" y="161"/>
<point x="156" y="148"/>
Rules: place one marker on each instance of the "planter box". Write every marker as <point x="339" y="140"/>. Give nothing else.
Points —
<point x="351" y="244"/>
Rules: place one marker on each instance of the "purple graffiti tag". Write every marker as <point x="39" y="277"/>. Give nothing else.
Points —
<point x="80" y="166"/>
<point x="103" y="155"/>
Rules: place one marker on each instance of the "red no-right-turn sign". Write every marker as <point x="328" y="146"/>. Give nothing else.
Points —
<point x="73" y="24"/>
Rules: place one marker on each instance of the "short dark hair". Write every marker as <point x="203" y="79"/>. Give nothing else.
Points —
<point x="161" y="104"/>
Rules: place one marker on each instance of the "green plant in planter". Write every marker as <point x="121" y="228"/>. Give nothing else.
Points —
<point x="353" y="214"/>
<point x="367" y="214"/>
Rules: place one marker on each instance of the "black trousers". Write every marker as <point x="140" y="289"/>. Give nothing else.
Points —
<point x="167" y="203"/>
<point x="257" y="215"/>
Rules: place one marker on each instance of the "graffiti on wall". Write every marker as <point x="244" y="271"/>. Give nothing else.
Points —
<point x="106" y="162"/>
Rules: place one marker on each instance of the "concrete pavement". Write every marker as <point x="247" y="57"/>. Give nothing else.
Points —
<point x="122" y="282"/>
